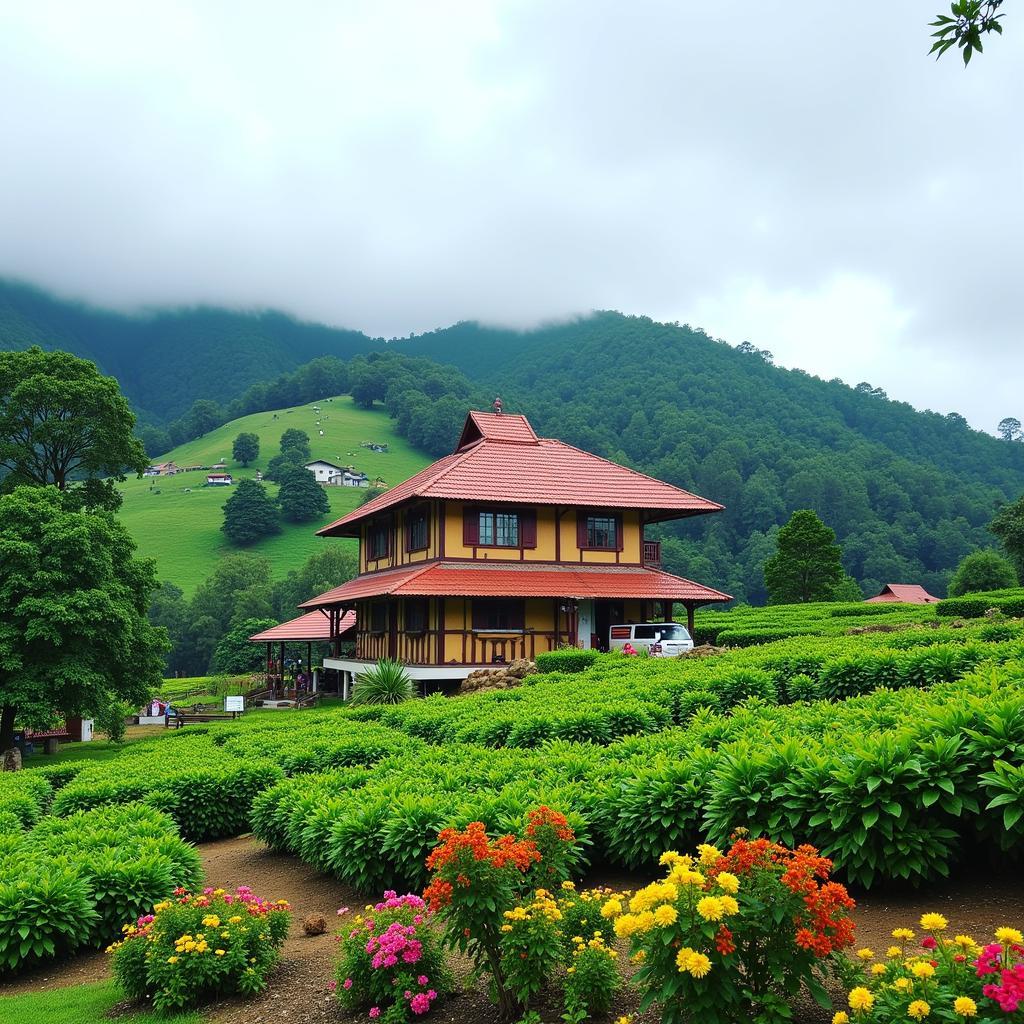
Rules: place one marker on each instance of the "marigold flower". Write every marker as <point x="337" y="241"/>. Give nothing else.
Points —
<point x="893" y="951"/>
<point x="683" y="958"/>
<point x="710" y="908"/>
<point x="1009" y="936"/>
<point x="665" y="915"/>
<point x="866" y="954"/>
<point x="934" y="922"/>
<point x="699" y="965"/>
<point x="173" y="959"/>
<point x="728" y="882"/>
<point x="840" y="1017"/>
<point x="904" y="934"/>
<point x="877" y="969"/>
<point x="964" y="1006"/>
<point x="902" y="984"/>
<point x="860" y="998"/>
<point x="922" y="969"/>
<point x="918" y="1009"/>
<point x="709" y="854"/>
<point x="965" y="941"/>
<point x="612" y="908"/>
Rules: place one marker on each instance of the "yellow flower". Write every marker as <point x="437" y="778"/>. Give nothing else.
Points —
<point x="904" y="934"/>
<point x="866" y="954"/>
<point x="639" y="956"/>
<point x="669" y="858"/>
<point x="728" y="882"/>
<point x="699" y="965"/>
<point x="708" y="854"/>
<point x="902" y="984"/>
<point x="219" y="952"/>
<point x="218" y="892"/>
<point x="878" y="969"/>
<point x="211" y="921"/>
<point x="665" y="915"/>
<point x="922" y="969"/>
<point x="934" y="922"/>
<point x="1009" y="936"/>
<point x="681" y="875"/>
<point x="964" y="1006"/>
<point x="234" y="920"/>
<point x="570" y="970"/>
<point x="840" y="1017"/>
<point x="893" y="951"/>
<point x="729" y="905"/>
<point x="860" y="998"/>
<point x="172" y="959"/>
<point x="683" y="958"/>
<point x="506" y="928"/>
<point x="612" y="908"/>
<point x="624" y="1019"/>
<point x="710" y="908"/>
<point x="568" y="885"/>
<point x="918" y="1009"/>
<point x="644" y="921"/>
<point x="625" y="926"/>
<point x="965" y="941"/>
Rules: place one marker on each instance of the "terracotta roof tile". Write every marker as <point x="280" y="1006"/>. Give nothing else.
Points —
<point x="902" y="593"/>
<point x="311" y="626"/>
<point x="502" y="466"/>
<point x="459" y="579"/>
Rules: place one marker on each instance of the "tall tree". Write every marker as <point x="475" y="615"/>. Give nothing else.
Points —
<point x="806" y="565"/>
<point x="62" y="422"/>
<point x="246" y="448"/>
<point x="330" y="567"/>
<point x="235" y="652"/>
<point x="301" y="498"/>
<point x="249" y="514"/>
<point x="74" y="635"/>
<point x="296" y="439"/>
<point x="1009" y="428"/>
<point x="980" y="571"/>
<point x="1008" y="526"/>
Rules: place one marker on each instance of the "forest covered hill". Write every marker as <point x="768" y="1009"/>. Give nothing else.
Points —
<point x="908" y="492"/>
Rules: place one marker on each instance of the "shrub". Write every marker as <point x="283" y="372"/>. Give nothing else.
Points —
<point x="591" y="979"/>
<point x="963" y="607"/>
<point x="735" y="936"/>
<point x="386" y="683"/>
<point x="938" y="978"/>
<point x="201" y="947"/>
<point x="802" y="687"/>
<point x="566" y="659"/>
<point x="391" y="961"/>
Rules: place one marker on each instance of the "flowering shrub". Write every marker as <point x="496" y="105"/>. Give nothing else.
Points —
<point x="938" y="978"/>
<point x="732" y="936"/>
<point x="201" y="946"/>
<point x="591" y="979"/>
<point x="479" y="889"/>
<point x="391" y="961"/>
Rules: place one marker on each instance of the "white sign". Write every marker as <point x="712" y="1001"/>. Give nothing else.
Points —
<point x="234" y="703"/>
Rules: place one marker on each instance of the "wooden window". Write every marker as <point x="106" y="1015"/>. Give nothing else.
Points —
<point x="378" y="617"/>
<point x="601" y="531"/>
<point x="498" y="615"/>
<point x="417" y="614"/>
<point x="499" y="528"/>
<point x="417" y="529"/>
<point x="378" y="540"/>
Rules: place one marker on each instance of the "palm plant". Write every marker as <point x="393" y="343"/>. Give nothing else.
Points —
<point x="386" y="683"/>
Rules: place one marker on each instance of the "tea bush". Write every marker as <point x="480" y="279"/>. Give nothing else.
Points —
<point x="566" y="659"/>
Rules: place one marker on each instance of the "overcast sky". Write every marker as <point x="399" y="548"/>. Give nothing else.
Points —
<point x="800" y="175"/>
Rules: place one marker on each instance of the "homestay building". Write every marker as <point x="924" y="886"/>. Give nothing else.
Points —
<point x="511" y="546"/>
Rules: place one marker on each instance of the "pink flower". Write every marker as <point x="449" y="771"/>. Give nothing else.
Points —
<point x="422" y="980"/>
<point x="420" y="1003"/>
<point x="331" y="986"/>
<point x="342" y="911"/>
<point x="347" y="983"/>
<point x="928" y="942"/>
<point x="374" y="1011"/>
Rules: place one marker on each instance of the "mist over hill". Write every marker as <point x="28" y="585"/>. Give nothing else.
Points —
<point x="908" y="492"/>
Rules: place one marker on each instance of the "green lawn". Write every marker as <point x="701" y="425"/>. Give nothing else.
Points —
<point x="79" y="1004"/>
<point x="94" y="750"/>
<point x="177" y="520"/>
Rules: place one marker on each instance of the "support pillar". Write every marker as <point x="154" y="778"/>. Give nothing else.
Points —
<point x="689" y="616"/>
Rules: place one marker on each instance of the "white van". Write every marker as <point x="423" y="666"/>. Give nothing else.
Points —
<point x="660" y="639"/>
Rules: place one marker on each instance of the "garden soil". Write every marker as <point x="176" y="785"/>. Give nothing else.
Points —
<point x="298" y="992"/>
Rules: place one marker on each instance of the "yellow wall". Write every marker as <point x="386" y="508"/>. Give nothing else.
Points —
<point x="397" y="555"/>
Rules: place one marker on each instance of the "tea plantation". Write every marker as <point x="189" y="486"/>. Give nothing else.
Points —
<point x="898" y="753"/>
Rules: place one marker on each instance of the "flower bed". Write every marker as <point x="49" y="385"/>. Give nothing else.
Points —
<point x="198" y="947"/>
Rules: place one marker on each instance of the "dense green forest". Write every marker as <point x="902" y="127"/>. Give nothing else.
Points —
<point x="908" y="493"/>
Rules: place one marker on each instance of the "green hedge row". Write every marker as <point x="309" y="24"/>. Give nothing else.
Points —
<point x="74" y="881"/>
<point x="566" y="659"/>
<point x="974" y="607"/>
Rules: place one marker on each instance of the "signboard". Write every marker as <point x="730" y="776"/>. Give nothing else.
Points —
<point x="234" y="703"/>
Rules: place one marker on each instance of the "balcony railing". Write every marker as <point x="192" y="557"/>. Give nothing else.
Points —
<point x="652" y="553"/>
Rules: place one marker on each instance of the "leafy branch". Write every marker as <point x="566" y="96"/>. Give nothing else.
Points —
<point x="966" y="23"/>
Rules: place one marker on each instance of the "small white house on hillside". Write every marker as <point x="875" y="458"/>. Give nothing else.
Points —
<point x="330" y="475"/>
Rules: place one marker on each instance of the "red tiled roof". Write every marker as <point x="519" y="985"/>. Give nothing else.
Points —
<point x="461" y="579"/>
<point x="509" y="463"/>
<point x="311" y="626"/>
<point x="902" y="593"/>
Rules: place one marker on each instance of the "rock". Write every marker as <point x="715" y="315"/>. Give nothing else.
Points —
<point x="12" y="760"/>
<point x="503" y="677"/>
<point x="702" y="651"/>
<point x="315" y="924"/>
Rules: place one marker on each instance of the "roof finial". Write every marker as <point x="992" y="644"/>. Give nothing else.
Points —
<point x="497" y="406"/>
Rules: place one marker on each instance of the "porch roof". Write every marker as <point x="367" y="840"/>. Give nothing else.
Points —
<point x="454" y="579"/>
<point x="313" y="625"/>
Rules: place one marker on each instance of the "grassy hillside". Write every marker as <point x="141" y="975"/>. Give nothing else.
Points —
<point x="177" y="520"/>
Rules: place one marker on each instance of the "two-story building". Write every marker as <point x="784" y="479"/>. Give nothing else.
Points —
<point x="512" y="545"/>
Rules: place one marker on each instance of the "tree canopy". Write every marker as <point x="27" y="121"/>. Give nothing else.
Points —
<point x="1008" y="526"/>
<point x="235" y="652"/>
<point x="981" y="571"/>
<point x="249" y="514"/>
<point x="62" y="422"/>
<point x="246" y="448"/>
<point x="301" y="498"/>
<point x="807" y="564"/>
<point x="74" y="634"/>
